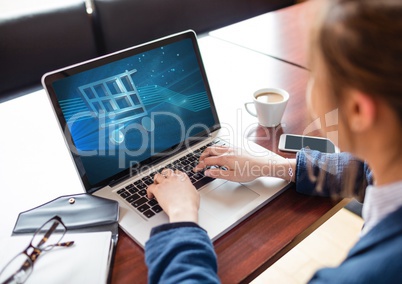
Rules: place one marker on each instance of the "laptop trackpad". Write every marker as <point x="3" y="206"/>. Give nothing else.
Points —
<point x="227" y="199"/>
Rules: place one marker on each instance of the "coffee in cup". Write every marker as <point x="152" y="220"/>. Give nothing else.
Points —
<point x="269" y="104"/>
<point x="269" y="97"/>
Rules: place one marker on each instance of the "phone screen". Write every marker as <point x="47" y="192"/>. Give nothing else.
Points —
<point x="298" y="142"/>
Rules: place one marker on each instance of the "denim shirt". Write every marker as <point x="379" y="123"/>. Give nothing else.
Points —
<point x="331" y="175"/>
<point x="180" y="253"/>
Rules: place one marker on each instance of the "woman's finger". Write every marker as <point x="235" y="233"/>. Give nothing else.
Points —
<point x="219" y="173"/>
<point x="181" y="175"/>
<point x="211" y="161"/>
<point x="150" y="191"/>
<point x="214" y="151"/>
<point x="167" y="172"/>
<point x="159" y="178"/>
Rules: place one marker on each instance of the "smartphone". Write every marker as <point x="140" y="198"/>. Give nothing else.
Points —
<point x="293" y="143"/>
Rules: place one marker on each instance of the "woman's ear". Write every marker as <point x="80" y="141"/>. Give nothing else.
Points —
<point x="361" y="111"/>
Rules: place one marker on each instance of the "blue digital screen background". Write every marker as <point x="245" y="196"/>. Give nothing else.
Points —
<point x="169" y="85"/>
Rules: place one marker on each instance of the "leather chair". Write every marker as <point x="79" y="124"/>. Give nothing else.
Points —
<point x="42" y="41"/>
<point x="124" y="23"/>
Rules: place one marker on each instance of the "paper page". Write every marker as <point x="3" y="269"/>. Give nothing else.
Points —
<point x="84" y="262"/>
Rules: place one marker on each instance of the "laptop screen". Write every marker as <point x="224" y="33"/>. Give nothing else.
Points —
<point x="121" y="112"/>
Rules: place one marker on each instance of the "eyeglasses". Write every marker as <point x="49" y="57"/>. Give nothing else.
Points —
<point x="45" y="238"/>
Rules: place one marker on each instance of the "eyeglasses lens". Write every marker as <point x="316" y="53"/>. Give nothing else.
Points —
<point x="48" y="235"/>
<point x="17" y="270"/>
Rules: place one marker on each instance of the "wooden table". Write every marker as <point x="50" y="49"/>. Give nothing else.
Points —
<point x="282" y="34"/>
<point x="36" y="165"/>
<point x="247" y="250"/>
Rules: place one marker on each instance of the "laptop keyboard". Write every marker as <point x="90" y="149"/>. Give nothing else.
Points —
<point x="136" y="193"/>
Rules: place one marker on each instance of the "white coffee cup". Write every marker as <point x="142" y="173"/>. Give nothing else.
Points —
<point x="270" y="104"/>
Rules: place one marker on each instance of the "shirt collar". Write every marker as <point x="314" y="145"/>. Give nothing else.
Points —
<point x="379" y="202"/>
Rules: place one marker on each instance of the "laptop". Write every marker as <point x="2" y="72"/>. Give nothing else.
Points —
<point x="127" y="115"/>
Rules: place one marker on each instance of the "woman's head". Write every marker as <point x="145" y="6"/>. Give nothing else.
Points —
<point x="357" y="45"/>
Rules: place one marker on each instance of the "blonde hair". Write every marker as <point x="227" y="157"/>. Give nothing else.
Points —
<point x="360" y="44"/>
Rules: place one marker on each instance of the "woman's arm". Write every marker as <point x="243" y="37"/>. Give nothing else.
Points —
<point x="179" y="251"/>
<point x="315" y="173"/>
<point x="335" y="175"/>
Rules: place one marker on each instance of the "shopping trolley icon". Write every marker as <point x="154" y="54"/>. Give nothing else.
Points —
<point x="115" y="100"/>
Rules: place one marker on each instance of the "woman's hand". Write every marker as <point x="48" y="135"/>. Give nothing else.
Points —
<point x="176" y="195"/>
<point x="231" y="164"/>
<point x="227" y="163"/>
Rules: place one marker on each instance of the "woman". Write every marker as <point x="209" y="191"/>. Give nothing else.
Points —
<point x="356" y="63"/>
